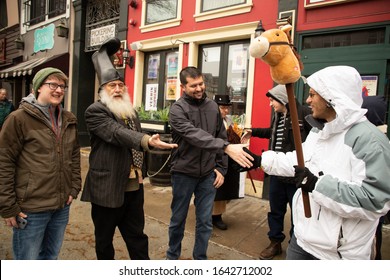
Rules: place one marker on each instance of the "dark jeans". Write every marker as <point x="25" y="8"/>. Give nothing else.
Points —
<point x="130" y="220"/>
<point x="183" y="187"/>
<point x="280" y="194"/>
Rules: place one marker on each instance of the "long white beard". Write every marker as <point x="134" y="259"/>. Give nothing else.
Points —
<point x="120" y="107"/>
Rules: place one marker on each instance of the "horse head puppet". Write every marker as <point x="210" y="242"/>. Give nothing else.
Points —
<point x="275" y="48"/>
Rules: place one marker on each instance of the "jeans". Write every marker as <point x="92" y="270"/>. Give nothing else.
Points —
<point x="295" y="252"/>
<point x="42" y="238"/>
<point x="280" y="194"/>
<point x="183" y="187"/>
<point x="130" y="220"/>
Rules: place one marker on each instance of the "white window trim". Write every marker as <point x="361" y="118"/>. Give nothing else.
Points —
<point x="25" y="28"/>
<point x="160" y="25"/>
<point x="293" y="18"/>
<point x="223" y="12"/>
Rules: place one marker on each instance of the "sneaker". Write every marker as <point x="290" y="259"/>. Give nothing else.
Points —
<point x="273" y="249"/>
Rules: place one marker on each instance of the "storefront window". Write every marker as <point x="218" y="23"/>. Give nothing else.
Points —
<point x="161" y="81"/>
<point x="344" y="39"/>
<point x="225" y="70"/>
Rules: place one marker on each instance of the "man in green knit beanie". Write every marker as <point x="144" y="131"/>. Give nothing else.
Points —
<point x="40" y="167"/>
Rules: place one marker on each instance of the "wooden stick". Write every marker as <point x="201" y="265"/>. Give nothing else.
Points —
<point x="298" y="142"/>
<point x="253" y="184"/>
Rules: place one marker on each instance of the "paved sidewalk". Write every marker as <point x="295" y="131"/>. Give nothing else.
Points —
<point x="244" y="239"/>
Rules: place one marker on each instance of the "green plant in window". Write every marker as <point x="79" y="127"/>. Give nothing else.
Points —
<point x="159" y="115"/>
<point x="163" y="114"/>
<point x="143" y="114"/>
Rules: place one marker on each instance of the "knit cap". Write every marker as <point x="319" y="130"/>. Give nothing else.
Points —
<point x="41" y="76"/>
<point x="279" y="94"/>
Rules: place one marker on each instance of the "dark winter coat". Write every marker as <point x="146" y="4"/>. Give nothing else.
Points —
<point x="198" y="129"/>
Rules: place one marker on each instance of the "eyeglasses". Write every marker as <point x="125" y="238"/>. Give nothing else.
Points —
<point x="54" y="86"/>
<point x="114" y="85"/>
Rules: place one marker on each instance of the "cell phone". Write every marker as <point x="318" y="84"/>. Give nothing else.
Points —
<point x="22" y="222"/>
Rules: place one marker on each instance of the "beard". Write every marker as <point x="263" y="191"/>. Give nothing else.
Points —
<point x="120" y="107"/>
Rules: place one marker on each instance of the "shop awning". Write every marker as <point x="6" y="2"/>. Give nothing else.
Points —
<point x="60" y="61"/>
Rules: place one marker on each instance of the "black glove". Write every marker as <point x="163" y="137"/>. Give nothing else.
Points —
<point x="304" y="179"/>
<point x="256" y="162"/>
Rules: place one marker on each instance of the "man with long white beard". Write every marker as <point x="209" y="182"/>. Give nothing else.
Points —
<point x="114" y="182"/>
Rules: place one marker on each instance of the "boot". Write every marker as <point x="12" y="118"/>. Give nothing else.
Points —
<point x="218" y="223"/>
<point x="273" y="249"/>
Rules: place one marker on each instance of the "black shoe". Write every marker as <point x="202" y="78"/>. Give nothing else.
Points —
<point x="220" y="224"/>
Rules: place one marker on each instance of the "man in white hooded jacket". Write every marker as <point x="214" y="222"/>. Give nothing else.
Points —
<point x="347" y="167"/>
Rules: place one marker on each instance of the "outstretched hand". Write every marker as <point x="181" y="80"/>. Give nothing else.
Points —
<point x="156" y="142"/>
<point x="246" y="136"/>
<point x="237" y="153"/>
<point x="256" y="162"/>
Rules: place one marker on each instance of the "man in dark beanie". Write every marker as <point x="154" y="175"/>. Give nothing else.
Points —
<point x="40" y="168"/>
<point x="114" y="183"/>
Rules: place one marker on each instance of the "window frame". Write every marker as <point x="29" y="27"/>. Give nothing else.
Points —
<point x="225" y="48"/>
<point x="26" y="22"/>
<point x="161" y="24"/>
<point x="222" y="7"/>
<point x="162" y="77"/>
<point x="222" y="12"/>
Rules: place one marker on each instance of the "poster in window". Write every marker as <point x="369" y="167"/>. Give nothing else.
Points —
<point x="172" y="61"/>
<point x="151" y="97"/>
<point x="171" y="89"/>
<point x="369" y="85"/>
<point x="154" y="62"/>
<point x="239" y="59"/>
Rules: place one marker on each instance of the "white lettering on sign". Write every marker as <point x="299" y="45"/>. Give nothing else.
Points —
<point x="99" y="35"/>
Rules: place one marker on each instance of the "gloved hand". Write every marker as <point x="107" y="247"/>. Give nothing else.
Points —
<point x="256" y="162"/>
<point x="304" y="179"/>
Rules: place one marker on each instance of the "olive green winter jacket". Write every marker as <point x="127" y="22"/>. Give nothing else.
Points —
<point x="38" y="169"/>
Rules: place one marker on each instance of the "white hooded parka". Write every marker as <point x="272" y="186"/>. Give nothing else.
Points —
<point x="351" y="157"/>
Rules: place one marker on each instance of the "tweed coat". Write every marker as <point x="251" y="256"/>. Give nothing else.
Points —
<point x="110" y="158"/>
